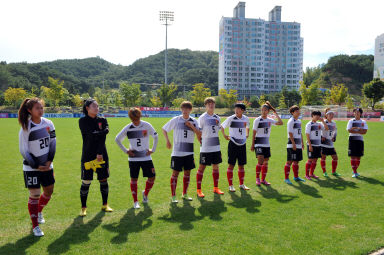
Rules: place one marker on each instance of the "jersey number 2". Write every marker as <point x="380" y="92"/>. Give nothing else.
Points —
<point x="138" y="142"/>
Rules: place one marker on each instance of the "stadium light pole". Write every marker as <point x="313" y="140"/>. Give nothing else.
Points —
<point x="166" y="17"/>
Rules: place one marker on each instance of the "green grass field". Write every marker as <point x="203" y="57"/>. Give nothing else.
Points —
<point x="325" y="216"/>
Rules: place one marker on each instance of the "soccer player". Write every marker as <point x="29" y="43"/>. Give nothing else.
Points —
<point x="184" y="129"/>
<point x="210" y="153"/>
<point x="94" y="130"/>
<point x="139" y="153"/>
<point x="356" y="128"/>
<point x="238" y="125"/>
<point x="313" y="131"/>
<point x="37" y="144"/>
<point x="295" y="145"/>
<point x="260" y="141"/>
<point x="328" y="137"/>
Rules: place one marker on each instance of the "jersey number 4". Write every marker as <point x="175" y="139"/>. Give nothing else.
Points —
<point x="44" y="142"/>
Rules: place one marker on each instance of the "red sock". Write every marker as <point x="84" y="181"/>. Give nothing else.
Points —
<point x="287" y="169"/>
<point x="264" y="170"/>
<point x="185" y="183"/>
<point x="199" y="178"/>
<point x="134" y="190"/>
<point x="173" y="185"/>
<point x="43" y="201"/>
<point x="230" y="176"/>
<point x="33" y="208"/>
<point x="354" y="165"/>
<point x="307" y="167"/>
<point x="313" y="167"/>
<point x="215" y="175"/>
<point x="334" y="166"/>
<point x="148" y="187"/>
<point x="241" y="174"/>
<point x="258" y="170"/>
<point x="357" y="163"/>
<point x="295" y="168"/>
<point x="322" y="163"/>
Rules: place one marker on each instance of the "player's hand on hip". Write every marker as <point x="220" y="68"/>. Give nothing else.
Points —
<point x="294" y="147"/>
<point x="130" y="153"/>
<point x="44" y="168"/>
<point x="149" y="152"/>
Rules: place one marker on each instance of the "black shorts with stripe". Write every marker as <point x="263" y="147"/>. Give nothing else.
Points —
<point x="328" y="151"/>
<point x="355" y="147"/>
<point x="315" y="153"/>
<point x="237" y="153"/>
<point x="33" y="179"/>
<point x="146" y="166"/>
<point x="180" y="163"/>
<point x="296" y="155"/>
<point x="209" y="158"/>
<point x="102" y="173"/>
<point x="263" y="151"/>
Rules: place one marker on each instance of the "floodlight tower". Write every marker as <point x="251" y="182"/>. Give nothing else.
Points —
<point x="166" y="18"/>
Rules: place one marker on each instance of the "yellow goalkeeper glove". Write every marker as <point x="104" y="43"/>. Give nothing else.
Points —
<point x="93" y="164"/>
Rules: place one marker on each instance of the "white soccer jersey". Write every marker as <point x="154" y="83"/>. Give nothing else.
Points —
<point x="138" y="137"/>
<point x="237" y="128"/>
<point x="314" y="129"/>
<point x="37" y="144"/>
<point x="183" y="136"/>
<point x="362" y="124"/>
<point x="209" y="126"/>
<point x="294" y="127"/>
<point x="329" y="135"/>
<point x="263" y="131"/>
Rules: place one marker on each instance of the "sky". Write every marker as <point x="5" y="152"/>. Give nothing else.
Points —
<point x="124" y="31"/>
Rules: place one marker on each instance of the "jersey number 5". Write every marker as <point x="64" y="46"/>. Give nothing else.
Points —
<point x="213" y="129"/>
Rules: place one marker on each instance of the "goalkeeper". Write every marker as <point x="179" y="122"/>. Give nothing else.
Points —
<point x="94" y="158"/>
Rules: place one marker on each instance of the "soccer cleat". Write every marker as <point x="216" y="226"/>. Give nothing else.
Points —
<point x="326" y="175"/>
<point x="37" y="231"/>
<point x="83" y="211"/>
<point x="314" y="176"/>
<point x="243" y="187"/>
<point x="174" y="199"/>
<point x="145" y="198"/>
<point x="265" y="183"/>
<point x="200" y="193"/>
<point x="306" y="177"/>
<point x="40" y="218"/>
<point x="355" y="175"/>
<point x="106" y="208"/>
<point x="287" y="181"/>
<point x="217" y="191"/>
<point x="298" y="179"/>
<point x="186" y="197"/>
<point x="258" y="181"/>
<point x="232" y="189"/>
<point x="136" y="205"/>
<point x="336" y="174"/>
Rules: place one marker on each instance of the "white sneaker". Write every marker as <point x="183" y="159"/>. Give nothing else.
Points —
<point x="40" y="218"/>
<point x="145" y="198"/>
<point x="231" y="188"/>
<point x="136" y="205"/>
<point x="243" y="187"/>
<point x="37" y="231"/>
<point x="174" y="200"/>
<point x="186" y="197"/>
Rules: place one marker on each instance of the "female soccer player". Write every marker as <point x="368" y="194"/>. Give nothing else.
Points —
<point x="184" y="129"/>
<point x="37" y="143"/>
<point x="328" y="137"/>
<point x="260" y="140"/>
<point x="139" y="153"/>
<point x="94" y="158"/>
<point x="356" y="128"/>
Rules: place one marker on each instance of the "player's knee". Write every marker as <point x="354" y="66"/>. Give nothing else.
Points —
<point x="87" y="182"/>
<point x="34" y="193"/>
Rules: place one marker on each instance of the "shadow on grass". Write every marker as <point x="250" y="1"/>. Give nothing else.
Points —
<point x="337" y="183"/>
<point x="244" y="201"/>
<point x="212" y="209"/>
<point x="20" y="246"/>
<point x="370" y="180"/>
<point x="130" y="223"/>
<point x="184" y="215"/>
<point x="271" y="193"/>
<point x="307" y="190"/>
<point x="77" y="233"/>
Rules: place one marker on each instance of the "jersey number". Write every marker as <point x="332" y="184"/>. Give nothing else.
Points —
<point x="330" y="133"/>
<point x="32" y="180"/>
<point x="138" y="142"/>
<point x="44" y="142"/>
<point x="241" y="131"/>
<point x="213" y="129"/>
<point x="185" y="133"/>
<point x="299" y="131"/>
<point x="265" y="130"/>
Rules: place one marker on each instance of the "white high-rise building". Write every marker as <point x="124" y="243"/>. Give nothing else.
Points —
<point x="378" y="69"/>
<point x="258" y="56"/>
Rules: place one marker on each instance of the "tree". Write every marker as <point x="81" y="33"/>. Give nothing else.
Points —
<point x="349" y="102"/>
<point x="374" y="90"/>
<point x="262" y="99"/>
<point x="77" y="100"/>
<point x="54" y="93"/>
<point x="327" y="98"/>
<point x="177" y="101"/>
<point x="156" y="102"/>
<point x="130" y="93"/>
<point x="338" y="94"/>
<point x="199" y="93"/>
<point x="364" y="103"/>
<point x="167" y="93"/>
<point x="254" y="100"/>
<point x="229" y="97"/>
<point x="116" y="98"/>
<point x="14" y="96"/>
<point x="101" y="95"/>
<point x="282" y="104"/>
<point x="310" y="95"/>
